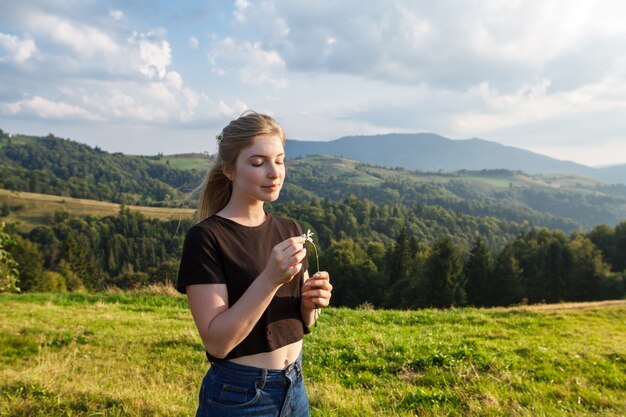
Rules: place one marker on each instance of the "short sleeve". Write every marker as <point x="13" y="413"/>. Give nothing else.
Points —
<point x="200" y="261"/>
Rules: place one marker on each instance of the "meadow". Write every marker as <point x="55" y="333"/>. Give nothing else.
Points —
<point x="138" y="354"/>
<point x="32" y="209"/>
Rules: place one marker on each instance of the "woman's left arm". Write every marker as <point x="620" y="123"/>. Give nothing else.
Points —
<point x="316" y="293"/>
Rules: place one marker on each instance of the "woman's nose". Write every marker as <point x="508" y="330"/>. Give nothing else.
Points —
<point x="273" y="171"/>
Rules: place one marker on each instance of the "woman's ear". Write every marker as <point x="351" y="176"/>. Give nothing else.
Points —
<point x="227" y="172"/>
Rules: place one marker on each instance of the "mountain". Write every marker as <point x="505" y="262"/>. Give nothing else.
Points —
<point x="615" y="173"/>
<point x="51" y="165"/>
<point x="430" y="152"/>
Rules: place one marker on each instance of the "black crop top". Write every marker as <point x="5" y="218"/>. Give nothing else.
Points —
<point x="220" y="251"/>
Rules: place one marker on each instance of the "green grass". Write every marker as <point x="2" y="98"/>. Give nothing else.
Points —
<point x="186" y="161"/>
<point x="135" y="354"/>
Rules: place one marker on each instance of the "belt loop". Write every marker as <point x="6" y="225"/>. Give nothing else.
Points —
<point x="260" y="384"/>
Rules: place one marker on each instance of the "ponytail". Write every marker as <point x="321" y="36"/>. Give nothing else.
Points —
<point x="216" y="189"/>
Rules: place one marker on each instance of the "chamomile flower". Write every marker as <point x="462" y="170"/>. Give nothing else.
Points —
<point x="308" y="237"/>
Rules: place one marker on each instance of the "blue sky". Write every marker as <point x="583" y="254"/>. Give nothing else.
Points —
<point x="145" y="76"/>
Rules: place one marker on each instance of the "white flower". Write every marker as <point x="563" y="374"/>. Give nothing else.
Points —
<point x="308" y="236"/>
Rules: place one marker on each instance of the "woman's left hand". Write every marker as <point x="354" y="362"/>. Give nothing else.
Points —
<point x="316" y="291"/>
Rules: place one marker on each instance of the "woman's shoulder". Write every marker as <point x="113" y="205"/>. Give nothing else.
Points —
<point x="204" y="229"/>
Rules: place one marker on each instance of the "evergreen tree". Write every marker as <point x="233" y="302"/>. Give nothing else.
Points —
<point x="619" y="255"/>
<point x="507" y="287"/>
<point x="478" y="271"/>
<point x="399" y="258"/>
<point x="444" y="272"/>
<point x="353" y="274"/>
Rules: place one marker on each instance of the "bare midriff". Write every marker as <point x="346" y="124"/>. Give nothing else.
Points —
<point x="276" y="359"/>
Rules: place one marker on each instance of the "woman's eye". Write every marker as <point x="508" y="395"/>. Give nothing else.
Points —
<point x="257" y="163"/>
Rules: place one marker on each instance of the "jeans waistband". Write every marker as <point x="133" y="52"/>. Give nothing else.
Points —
<point x="249" y="372"/>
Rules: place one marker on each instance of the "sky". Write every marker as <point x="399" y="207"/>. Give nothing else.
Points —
<point x="150" y="76"/>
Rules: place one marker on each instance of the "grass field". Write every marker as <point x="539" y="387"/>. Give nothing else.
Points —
<point x="137" y="354"/>
<point x="186" y="161"/>
<point x="32" y="209"/>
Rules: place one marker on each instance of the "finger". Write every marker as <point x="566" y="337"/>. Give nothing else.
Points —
<point x="321" y="302"/>
<point x="291" y="242"/>
<point x="296" y="257"/>
<point x="313" y="283"/>
<point x="321" y="275"/>
<point x="316" y="294"/>
<point x="292" y="271"/>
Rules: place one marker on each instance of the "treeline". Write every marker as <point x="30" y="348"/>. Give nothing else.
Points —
<point x="382" y="255"/>
<point x="52" y="165"/>
<point x="92" y="253"/>
<point x="538" y="266"/>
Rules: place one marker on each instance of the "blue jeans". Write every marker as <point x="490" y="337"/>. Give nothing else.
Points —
<point x="230" y="389"/>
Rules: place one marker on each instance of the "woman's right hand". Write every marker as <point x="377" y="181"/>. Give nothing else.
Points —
<point x="285" y="261"/>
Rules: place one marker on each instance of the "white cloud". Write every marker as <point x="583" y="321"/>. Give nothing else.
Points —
<point x="116" y="14"/>
<point x="240" y="10"/>
<point x="155" y="55"/>
<point x="234" y="110"/>
<point x="533" y="104"/>
<point x="99" y="72"/>
<point x="400" y="41"/>
<point x="255" y="65"/>
<point x="83" y="39"/>
<point x="20" y="49"/>
<point x="47" y="109"/>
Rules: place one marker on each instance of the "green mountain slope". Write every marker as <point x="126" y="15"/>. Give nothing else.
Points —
<point x="570" y="202"/>
<point x="52" y="165"/>
<point x="430" y="152"/>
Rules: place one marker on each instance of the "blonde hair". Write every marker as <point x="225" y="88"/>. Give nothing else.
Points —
<point x="238" y="135"/>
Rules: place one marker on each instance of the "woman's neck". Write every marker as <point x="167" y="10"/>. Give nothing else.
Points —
<point x="249" y="215"/>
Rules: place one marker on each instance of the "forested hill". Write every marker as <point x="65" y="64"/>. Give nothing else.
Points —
<point x="52" y="165"/>
<point x="389" y="237"/>
<point x="430" y="152"/>
<point x="566" y="202"/>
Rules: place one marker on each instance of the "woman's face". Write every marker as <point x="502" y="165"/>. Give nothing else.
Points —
<point x="260" y="170"/>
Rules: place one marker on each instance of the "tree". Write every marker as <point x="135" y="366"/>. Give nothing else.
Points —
<point x="588" y="272"/>
<point x="167" y="272"/>
<point x="444" y="272"/>
<point x="507" y="286"/>
<point x="8" y="267"/>
<point x="478" y="271"/>
<point x="399" y="258"/>
<point x="558" y="269"/>
<point x="353" y="274"/>
<point x="50" y="281"/>
<point x="619" y="256"/>
<point x="72" y="280"/>
<point x="27" y="255"/>
<point x="5" y="210"/>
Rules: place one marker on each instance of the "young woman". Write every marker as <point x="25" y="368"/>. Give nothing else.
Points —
<point x="245" y="275"/>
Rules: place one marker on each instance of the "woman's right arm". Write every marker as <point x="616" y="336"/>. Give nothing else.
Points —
<point x="222" y="328"/>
